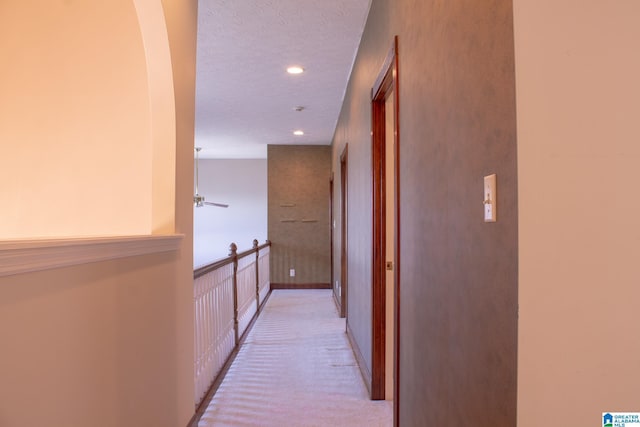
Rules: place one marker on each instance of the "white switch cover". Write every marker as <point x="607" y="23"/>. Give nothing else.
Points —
<point x="490" y="197"/>
<point x="292" y="273"/>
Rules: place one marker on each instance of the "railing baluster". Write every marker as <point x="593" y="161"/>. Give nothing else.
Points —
<point x="255" y="246"/>
<point x="233" y="252"/>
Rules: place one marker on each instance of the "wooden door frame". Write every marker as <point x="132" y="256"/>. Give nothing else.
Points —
<point x="331" y="231"/>
<point x="385" y="84"/>
<point x="344" y="212"/>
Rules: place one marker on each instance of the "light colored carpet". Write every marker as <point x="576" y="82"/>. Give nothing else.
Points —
<point x="296" y="368"/>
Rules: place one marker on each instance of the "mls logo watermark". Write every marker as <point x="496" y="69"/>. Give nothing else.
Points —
<point x="621" y="419"/>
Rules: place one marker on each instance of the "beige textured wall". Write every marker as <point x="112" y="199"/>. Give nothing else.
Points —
<point x="110" y="344"/>
<point x="299" y="175"/>
<point x="578" y="103"/>
<point x="458" y="275"/>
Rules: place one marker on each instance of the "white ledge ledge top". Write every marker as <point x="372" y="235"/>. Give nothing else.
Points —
<point x="24" y="256"/>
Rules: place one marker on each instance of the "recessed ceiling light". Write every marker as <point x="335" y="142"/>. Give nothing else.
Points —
<point x="295" y="70"/>
<point x="298" y="132"/>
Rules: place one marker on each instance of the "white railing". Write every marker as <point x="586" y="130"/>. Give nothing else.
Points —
<point x="247" y="291"/>
<point x="227" y="296"/>
<point x="214" y="325"/>
<point x="264" y="283"/>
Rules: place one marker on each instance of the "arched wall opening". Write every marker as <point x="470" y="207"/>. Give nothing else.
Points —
<point x="87" y="120"/>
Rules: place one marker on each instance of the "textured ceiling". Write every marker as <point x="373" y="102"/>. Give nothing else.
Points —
<point x="244" y="97"/>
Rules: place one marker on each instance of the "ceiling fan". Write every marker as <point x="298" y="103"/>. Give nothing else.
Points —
<point x="198" y="200"/>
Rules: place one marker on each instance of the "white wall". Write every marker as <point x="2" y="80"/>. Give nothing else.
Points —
<point x="106" y="344"/>
<point x="578" y="105"/>
<point x="243" y="185"/>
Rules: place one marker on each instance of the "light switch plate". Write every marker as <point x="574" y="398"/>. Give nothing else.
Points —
<point x="490" y="198"/>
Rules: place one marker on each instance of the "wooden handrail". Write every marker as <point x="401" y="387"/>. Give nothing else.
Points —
<point x="201" y="271"/>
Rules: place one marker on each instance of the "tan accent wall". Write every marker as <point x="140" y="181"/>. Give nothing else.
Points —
<point x="109" y="344"/>
<point x="298" y="211"/>
<point x="458" y="275"/>
<point x="577" y="73"/>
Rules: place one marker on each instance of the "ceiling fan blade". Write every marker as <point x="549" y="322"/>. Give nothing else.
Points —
<point x="220" y="205"/>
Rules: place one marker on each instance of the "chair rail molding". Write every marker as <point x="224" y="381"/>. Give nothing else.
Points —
<point x="25" y="256"/>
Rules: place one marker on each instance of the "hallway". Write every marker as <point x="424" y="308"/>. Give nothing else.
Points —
<point x="296" y="368"/>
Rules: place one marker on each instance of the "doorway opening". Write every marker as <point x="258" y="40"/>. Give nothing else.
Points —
<point x="386" y="227"/>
